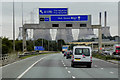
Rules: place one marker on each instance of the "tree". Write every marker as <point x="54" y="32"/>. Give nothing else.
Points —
<point x="60" y="42"/>
<point x="18" y="45"/>
<point x="7" y="42"/>
<point x="38" y="42"/>
<point x="30" y="45"/>
<point x="6" y="45"/>
<point x="5" y="49"/>
<point x="71" y="46"/>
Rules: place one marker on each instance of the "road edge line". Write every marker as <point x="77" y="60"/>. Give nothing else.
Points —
<point x="19" y="61"/>
<point x="29" y="68"/>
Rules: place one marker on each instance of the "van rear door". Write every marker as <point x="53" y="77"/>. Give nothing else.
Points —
<point x="82" y="55"/>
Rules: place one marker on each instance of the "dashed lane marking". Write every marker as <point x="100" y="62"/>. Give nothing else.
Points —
<point x="101" y="68"/>
<point x="69" y="72"/>
<point x="73" y="77"/>
<point x="112" y="72"/>
<point x="95" y="65"/>
<point x="20" y="76"/>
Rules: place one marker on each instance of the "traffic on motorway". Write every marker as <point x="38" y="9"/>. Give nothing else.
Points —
<point x="76" y="63"/>
<point x="81" y="55"/>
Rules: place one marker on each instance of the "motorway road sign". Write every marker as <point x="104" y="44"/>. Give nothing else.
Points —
<point x="53" y="11"/>
<point x="39" y="48"/>
<point x="70" y="18"/>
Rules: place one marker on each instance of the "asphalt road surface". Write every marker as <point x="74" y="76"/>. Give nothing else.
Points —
<point x="57" y="66"/>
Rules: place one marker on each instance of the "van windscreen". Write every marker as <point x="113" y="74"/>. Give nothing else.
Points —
<point x="82" y="51"/>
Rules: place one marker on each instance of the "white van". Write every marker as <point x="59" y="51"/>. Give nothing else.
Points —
<point x="81" y="56"/>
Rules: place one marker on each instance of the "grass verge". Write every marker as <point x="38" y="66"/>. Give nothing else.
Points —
<point x="105" y="57"/>
<point x="27" y="56"/>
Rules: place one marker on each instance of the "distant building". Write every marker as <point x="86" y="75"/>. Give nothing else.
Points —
<point x="106" y="31"/>
<point x="117" y="39"/>
<point x="103" y="40"/>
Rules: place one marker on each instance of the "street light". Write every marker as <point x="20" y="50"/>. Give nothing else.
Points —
<point x="13" y="29"/>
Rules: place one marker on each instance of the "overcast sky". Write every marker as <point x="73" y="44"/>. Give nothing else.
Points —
<point x="92" y="8"/>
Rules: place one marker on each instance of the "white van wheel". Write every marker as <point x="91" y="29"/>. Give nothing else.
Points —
<point x="89" y="66"/>
<point x="72" y="65"/>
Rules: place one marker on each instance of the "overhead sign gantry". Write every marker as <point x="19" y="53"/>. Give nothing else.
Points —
<point x="58" y="18"/>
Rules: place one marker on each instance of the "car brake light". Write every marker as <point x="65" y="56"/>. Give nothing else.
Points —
<point x="72" y="56"/>
<point x="72" y="59"/>
<point x="83" y="55"/>
<point x="91" y="58"/>
<point x="116" y="51"/>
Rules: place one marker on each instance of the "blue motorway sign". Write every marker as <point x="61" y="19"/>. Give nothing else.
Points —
<point x="64" y="47"/>
<point x="53" y="11"/>
<point x="70" y="18"/>
<point x="39" y="48"/>
<point x="46" y="19"/>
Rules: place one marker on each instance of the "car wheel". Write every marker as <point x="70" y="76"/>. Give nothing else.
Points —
<point x="72" y="65"/>
<point x="89" y="66"/>
<point x="114" y="53"/>
<point x="66" y="57"/>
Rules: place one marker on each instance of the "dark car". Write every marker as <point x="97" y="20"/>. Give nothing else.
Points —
<point x="65" y="53"/>
<point x="68" y="55"/>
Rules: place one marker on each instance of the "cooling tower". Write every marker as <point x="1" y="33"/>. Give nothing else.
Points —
<point x="61" y="34"/>
<point x="75" y="33"/>
<point x="86" y="33"/>
<point x="42" y="33"/>
<point x="106" y="31"/>
<point x="20" y="37"/>
<point x="82" y="33"/>
<point x="69" y="35"/>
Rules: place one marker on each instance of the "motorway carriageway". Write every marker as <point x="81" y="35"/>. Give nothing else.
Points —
<point x="57" y="66"/>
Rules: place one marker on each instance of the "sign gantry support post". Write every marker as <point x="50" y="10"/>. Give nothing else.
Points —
<point x="100" y="40"/>
<point x="99" y="37"/>
<point x="24" y="39"/>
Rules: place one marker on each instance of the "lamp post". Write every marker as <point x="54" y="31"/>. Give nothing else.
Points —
<point x="13" y="29"/>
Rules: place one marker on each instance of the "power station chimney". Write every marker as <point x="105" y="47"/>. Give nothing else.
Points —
<point x="100" y="18"/>
<point x="105" y="19"/>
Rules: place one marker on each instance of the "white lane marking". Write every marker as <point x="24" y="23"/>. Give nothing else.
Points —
<point x="112" y="72"/>
<point x="63" y="63"/>
<point x="95" y="65"/>
<point x="65" y="67"/>
<point x="101" y="68"/>
<point x="73" y="77"/>
<point x="20" y="61"/>
<point x="20" y="76"/>
<point x="69" y="72"/>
